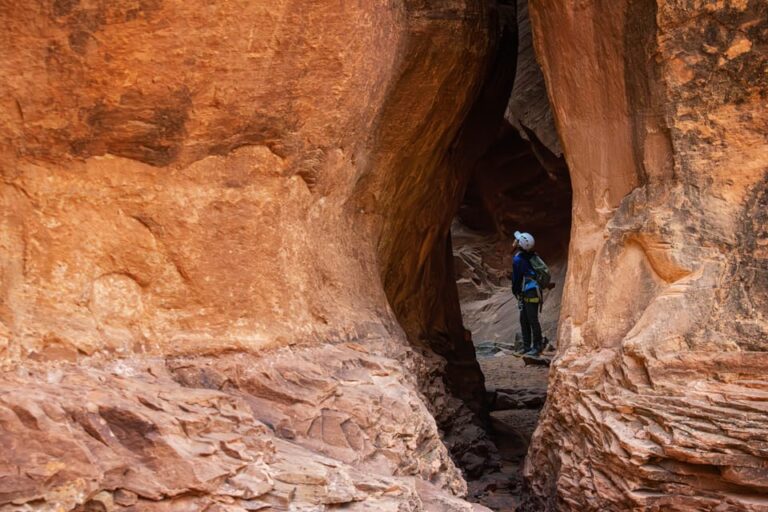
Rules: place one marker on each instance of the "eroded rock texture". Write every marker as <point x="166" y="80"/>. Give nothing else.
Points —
<point x="242" y="185"/>
<point x="315" y="427"/>
<point x="150" y="150"/>
<point x="529" y="109"/>
<point x="657" y="400"/>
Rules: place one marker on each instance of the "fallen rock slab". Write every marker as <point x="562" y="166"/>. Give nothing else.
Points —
<point x="505" y="399"/>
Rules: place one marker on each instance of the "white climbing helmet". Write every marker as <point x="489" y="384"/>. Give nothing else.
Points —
<point x="525" y="240"/>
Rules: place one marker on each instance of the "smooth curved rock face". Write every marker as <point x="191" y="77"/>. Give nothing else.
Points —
<point x="175" y="173"/>
<point x="657" y="398"/>
<point x="529" y="108"/>
<point x="149" y="150"/>
<point x="249" y="178"/>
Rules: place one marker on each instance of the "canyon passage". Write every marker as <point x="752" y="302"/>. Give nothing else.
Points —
<point x="251" y="253"/>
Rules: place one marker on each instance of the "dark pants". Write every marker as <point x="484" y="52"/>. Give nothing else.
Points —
<point x="529" y="322"/>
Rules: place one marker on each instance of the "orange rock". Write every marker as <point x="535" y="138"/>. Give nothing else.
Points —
<point x="207" y="179"/>
<point x="655" y="397"/>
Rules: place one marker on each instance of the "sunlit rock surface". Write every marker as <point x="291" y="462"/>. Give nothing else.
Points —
<point x="215" y="218"/>
<point x="657" y="399"/>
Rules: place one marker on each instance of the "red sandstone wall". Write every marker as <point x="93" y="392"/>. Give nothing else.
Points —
<point x="175" y="174"/>
<point x="656" y="397"/>
<point x="229" y="179"/>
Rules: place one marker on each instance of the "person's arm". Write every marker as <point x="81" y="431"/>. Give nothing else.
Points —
<point x="517" y="276"/>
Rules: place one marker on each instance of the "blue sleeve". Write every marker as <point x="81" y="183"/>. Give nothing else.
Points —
<point x="517" y="275"/>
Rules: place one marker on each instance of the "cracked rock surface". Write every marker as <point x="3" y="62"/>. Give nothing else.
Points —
<point x="301" y="430"/>
<point x="657" y="397"/>
<point x="203" y="207"/>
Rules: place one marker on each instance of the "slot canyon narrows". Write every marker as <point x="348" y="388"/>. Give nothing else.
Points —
<point x="232" y="234"/>
<point x="518" y="180"/>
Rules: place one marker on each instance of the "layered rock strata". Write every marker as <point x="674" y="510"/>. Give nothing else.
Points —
<point x="215" y="218"/>
<point x="327" y="426"/>
<point x="657" y="398"/>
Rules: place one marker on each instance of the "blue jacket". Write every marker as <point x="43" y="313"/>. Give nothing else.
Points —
<point x="521" y="267"/>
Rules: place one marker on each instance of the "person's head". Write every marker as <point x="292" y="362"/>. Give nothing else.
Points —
<point x="524" y="240"/>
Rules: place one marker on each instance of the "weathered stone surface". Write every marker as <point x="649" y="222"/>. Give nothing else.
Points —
<point x="222" y="222"/>
<point x="522" y="398"/>
<point x="529" y="110"/>
<point x="140" y="171"/>
<point x="657" y="398"/>
<point x="152" y="149"/>
<point x="184" y="180"/>
<point x="302" y="428"/>
<point x="511" y="429"/>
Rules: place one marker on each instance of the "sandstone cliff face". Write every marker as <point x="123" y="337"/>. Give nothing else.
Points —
<point x="216" y="217"/>
<point x="657" y="399"/>
<point x="248" y="181"/>
<point x="150" y="150"/>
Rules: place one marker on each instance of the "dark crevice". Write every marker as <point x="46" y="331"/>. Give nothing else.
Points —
<point x="477" y="134"/>
<point x="519" y="180"/>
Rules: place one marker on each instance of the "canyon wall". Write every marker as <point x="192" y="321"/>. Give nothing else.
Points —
<point x="225" y="276"/>
<point x="215" y="219"/>
<point x="657" y="397"/>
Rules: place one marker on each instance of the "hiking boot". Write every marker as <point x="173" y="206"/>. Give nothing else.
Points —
<point x="532" y="353"/>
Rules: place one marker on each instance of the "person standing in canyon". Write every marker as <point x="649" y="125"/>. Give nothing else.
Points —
<point x="528" y="272"/>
